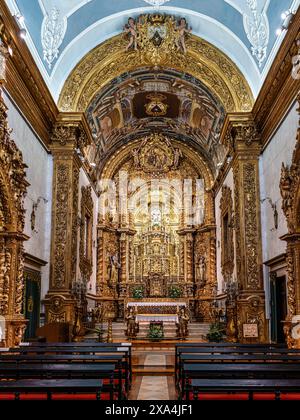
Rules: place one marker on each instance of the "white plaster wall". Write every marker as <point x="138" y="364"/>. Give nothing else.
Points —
<point x="279" y="150"/>
<point x="39" y="175"/>
<point x="229" y="183"/>
<point x="84" y="181"/>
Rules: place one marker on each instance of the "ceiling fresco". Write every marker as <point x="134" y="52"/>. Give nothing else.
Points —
<point x="164" y="102"/>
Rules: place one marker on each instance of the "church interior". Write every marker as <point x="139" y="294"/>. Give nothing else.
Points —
<point x="150" y="199"/>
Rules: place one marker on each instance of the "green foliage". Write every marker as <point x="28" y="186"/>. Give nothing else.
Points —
<point x="174" y="292"/>
<point x="156" y="331"/>
<point x="99" y="331"/>
<point x="216" y="332"/>
<point x="138" y="292"/>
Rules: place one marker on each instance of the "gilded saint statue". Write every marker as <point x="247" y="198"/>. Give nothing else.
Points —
<point x="114" y="267"/>
<point x="201" y="271"/>
<point x="182" y="29"/>
<point x="132" y="326"/>
<point x="131" y="30"/>
<point x="182" y="325"/>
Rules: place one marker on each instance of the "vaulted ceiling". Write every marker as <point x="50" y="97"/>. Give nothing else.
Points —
<point x="61" y="33"/>
<point x="81" y="52"/>
<point x="148" y="101"/>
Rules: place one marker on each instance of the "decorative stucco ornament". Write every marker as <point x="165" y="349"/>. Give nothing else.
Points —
<point x="156" y="3"/>
<point x="256" y="26"/>
<point x="52" y="34"/>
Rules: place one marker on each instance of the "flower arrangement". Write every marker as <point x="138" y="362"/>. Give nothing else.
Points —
<point x="156" y="331"/>
<point x="174" y="292"/>
<point x="138" y="292"/>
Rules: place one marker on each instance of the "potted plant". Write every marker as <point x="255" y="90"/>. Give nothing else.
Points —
<point x="174" y="292"/>
<point x="156" y="331"/>
<point x="216" y="332"/>
<point x="138" y="292"/>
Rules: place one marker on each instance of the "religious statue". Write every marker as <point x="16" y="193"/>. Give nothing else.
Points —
<point x="114" y="267"/>
<point x="131" y="29"/>
<point x="3" y="57"/>
<point x="182" y="325"/>
<point x="201" y="271"/>
<point x="182" y="29"/>
<point x="98" y="313"/>
<point x="136" y="159"/>
<point x="177" y="156"/>
<point x="132" y="326"/>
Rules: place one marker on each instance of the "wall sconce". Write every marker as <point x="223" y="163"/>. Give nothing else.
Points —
<point x="33" y="212"/>
<point x="20" y="21"/>
<point x="275" y="212"/>
<point x="287" y="18"/>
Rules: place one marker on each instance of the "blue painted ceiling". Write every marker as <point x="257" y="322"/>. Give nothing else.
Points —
<point x="81" y="16"/>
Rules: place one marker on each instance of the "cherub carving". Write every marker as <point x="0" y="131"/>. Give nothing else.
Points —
<point x="182" y="29"/>
<point x="131" y="29"/>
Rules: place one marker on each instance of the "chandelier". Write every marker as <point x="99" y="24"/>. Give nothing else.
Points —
<point x="156" y="3"/>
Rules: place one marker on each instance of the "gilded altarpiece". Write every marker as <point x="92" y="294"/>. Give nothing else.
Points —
<point x="152" y="247"/>
<point x="243" y="142"/>
<point x="290" y="191"/>
<point x="13" y="186"/>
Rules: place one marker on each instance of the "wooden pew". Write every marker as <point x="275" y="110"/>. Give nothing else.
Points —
<point x="231" y="359"/>
<point x="253" y="350"/>
<point x="249" y="386"/>
<point x="84" y="345"/>
<point x="95" y="351"/>
<point x="72" y="360"/>
<point x="237" y="371"/>
<point x="52" y="386"/>
<point x="63" y="371"/>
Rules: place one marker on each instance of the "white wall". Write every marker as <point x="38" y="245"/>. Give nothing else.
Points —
<point x="280" y="149"/>
<point x="84" y="181"/>
<point x="39" y="175"/>
<point x="229" y="183"/>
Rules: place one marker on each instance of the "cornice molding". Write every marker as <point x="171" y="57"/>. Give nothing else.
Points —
<point x="24" y="82"/>
<point x="279" y="89"/>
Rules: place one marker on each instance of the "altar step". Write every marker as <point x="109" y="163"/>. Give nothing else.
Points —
<point x="197" y="331"/>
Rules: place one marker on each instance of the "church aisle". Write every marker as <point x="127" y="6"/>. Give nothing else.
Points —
<point x="154" y="388"/>
<point x="153" y="377"/>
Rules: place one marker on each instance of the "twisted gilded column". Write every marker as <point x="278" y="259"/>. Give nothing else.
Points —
<point x="243" y="142"/>
<point x="69" y="135"/>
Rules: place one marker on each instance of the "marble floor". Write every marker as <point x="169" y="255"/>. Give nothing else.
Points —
<point x="153" y="377"/>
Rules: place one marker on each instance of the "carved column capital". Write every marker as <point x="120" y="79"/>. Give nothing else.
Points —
<point x="71" y="131"/>
<point x="240" y="133"/>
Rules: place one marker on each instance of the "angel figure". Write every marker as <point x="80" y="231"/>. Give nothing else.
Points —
<point x="182" y="29"/>
<point x="131" y="29"/>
